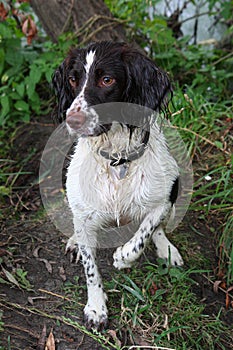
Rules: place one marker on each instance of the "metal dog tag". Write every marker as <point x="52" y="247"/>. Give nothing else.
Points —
<point x="123" y="170"/>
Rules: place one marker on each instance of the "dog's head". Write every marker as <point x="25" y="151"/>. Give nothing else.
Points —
<point x="106" y="72"/>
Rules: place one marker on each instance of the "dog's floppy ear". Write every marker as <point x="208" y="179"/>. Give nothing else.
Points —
<point x="147" y="84"/>
<point x="62" y="90"/>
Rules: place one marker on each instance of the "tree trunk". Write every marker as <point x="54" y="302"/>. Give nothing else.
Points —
<point x="89" y="20"/>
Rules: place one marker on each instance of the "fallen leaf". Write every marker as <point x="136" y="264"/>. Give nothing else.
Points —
<point x="4" y="252"/>
<point x="216" y="286"/>
<point x="10" y="277"/>
<point x="62" y="273"/>
<point x="41" y="341"/>
<point x="50" y="344"/>
<point x="153" y="288"/>
<point x="47" y="265"/>
<point x="36" y="252"/>
<point x="112" y="333"/>
<point x="228" y="301"/>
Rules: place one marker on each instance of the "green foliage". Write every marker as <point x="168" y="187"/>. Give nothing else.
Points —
<point x="226" y="250"/>
<point x="208" y="71"/>
<point x="157" y="301"/>
<point x="26" y="73"/>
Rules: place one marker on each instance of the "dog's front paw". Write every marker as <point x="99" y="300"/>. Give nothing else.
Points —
<point x="172" y="255"/>
<point x="120" y="260"/>
<point x="73" y="248"/>
<point x="96" y="316"/>
<point x="175" y="257"/>
<point x="165" y="249"/>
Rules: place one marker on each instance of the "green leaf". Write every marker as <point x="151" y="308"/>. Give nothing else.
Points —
<point x="48" y="74"/>
<point x="5" y="107"/>
<point x="134" y="292"/>
<point x="5" y="31"/>
<point x="13" y="54"/>
<point x="20" y="88"/>
<point x="218" y="144"/>
<point x="29" y="56"/>
<point x="35" y="74"/>
<point x="15" y="96"/>
<point x="5" y="191"/>
<point x="10" y="277"/>
<point x="22" y="106"/>
<point x="2" y="59"/>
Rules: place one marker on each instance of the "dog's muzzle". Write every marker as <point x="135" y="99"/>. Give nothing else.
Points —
<point x="82" y="122"/>
<point x="75" y="119"/>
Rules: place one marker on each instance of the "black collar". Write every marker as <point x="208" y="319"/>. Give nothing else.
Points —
<point x="124" y="157"/>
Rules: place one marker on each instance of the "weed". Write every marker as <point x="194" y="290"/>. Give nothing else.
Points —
<point x="21" y="277"/>
<point x="158" y="306"/>
<point x="16" y="278"/>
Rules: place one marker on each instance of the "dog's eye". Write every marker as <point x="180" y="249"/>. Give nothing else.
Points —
<point x="106" y="81"/>
<point x="73" y="81"/>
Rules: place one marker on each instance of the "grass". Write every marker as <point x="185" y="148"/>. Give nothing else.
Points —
<point x="206" y="128"/>
<point x="157" y="307"/>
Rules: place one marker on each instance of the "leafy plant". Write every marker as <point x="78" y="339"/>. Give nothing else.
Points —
<point x="26" y="72"/>
<point x="208" y="71"/>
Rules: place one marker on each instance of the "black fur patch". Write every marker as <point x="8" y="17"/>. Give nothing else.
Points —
<point x="174" y="191"/>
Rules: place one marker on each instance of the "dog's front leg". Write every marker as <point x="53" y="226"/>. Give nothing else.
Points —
<point x="95" y="311"/>
<point x="125" y="255"/>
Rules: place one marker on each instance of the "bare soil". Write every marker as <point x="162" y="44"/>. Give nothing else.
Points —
<point x="31" y="242"/>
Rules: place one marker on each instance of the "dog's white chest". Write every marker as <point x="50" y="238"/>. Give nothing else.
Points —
<point x="126" y="190"/>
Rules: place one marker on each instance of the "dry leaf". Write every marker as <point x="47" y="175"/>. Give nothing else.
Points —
<point x="153" y="288"/>
<point x="62" y="273"/>
<point x="3" y="12"/>
<point x="112" y="333"/>
<point x="47" y="264"/>
<point x="50" y="344"/>
<point x="29" y="29"/>
<point x="36" y="252"/>
<point x="216" y="286"/>
<point x="10" y="277"/>
<point x="228" y="301"/>
<point x="228" y="298"/>
<point x="41" y="341"/>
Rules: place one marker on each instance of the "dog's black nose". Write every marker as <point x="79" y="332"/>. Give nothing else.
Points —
<point x="75" y="119"/>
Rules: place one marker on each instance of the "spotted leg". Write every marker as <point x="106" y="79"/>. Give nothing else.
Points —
<point x="125" y="255"/>
<point x="95" y="311"/>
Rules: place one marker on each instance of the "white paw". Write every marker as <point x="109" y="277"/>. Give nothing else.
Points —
<point x="96" y="315"/>
<point x="165" y="249"/>
<point x="120" y="262"/>
<point x="73" y="248"/>
<point x="171" y="254"/>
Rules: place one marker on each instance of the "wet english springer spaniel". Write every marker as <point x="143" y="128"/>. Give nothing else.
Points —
<point x="121" y="170"/>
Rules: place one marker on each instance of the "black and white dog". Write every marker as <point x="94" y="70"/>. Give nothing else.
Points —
<point x="136" y="180"/>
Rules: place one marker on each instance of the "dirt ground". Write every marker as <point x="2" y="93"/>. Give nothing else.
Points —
<point x="31" y="242"/>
